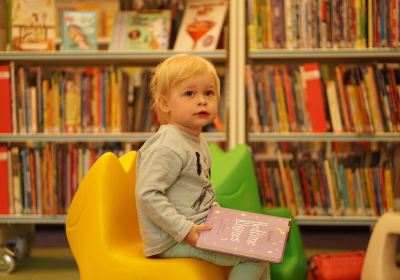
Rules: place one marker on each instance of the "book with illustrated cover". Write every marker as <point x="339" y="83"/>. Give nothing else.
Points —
<point x="32" y="25"/>
<point x="106" y="10"/>
<point x="141" y="30"/>
<point x="79" y="30"/>
<point x="201" y="25"/>
<point x="241" y="233"/>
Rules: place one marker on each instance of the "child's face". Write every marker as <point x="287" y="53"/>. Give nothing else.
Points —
<point x="193" y="103"/>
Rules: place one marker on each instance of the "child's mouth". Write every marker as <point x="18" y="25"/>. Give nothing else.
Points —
<point x="202" y="114"/>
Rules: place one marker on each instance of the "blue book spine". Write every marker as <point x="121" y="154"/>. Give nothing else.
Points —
<point x="343" y="184"/>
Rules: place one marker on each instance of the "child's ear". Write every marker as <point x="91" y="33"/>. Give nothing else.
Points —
<point x="164" y="106"/>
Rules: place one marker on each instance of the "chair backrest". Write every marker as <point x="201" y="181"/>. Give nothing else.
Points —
<point x="103" y="210"/>
<point x="236" y="179"/>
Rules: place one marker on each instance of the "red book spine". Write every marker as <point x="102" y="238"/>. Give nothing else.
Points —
<point x="306" y="194"/>
<point x="314" y="97"/>
<point x="5" y="100"/>
<point x="4" y="188"/>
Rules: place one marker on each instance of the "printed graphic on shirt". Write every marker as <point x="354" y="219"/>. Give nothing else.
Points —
<point x="206" y="171"/>
<point x="207" y="193"/>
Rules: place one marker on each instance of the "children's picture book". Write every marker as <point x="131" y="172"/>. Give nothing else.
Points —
<point x="201" y="25"/>
<point x="246" y="234"/>
<point x="32" y="25"/>
<point x="141" y="30"/>
<point x="106" y="10"/>
<point x="79" y="30"/>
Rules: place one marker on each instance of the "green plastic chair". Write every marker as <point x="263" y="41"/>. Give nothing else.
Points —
<point x="233" y="177"/>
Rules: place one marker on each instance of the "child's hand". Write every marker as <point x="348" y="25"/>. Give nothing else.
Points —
<point x="193" y="234"/>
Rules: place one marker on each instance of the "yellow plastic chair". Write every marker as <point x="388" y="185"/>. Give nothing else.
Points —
<point x="102" y="230"/>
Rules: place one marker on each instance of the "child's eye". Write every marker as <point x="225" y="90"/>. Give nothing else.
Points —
<point x="209" y="93"/>
<point x="189" y="93"/>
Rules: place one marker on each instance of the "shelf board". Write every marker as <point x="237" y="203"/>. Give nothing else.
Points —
<point x="93" y="137"/>
<point x="32" y="219"/>
<point x="323" y="137"/>
<point x="274" y="54"/>
<point x="103" y="56"/>
<point x="336" y="220"/>
<point x="301" y="220"/>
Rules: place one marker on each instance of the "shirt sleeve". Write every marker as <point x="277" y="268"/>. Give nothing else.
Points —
<point x="158" y="170"/>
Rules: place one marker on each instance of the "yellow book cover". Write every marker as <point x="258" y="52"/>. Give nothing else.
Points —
<point x="333" y="105"/>
<point x="32" y="25"/>
<point x="370" y="83"/>
<point x="281" y="102"/>
<point x="388" y="188"/>
<point x="332" y="197"/>
<point x="46" y="105"/>
<point x="72" y="107"/>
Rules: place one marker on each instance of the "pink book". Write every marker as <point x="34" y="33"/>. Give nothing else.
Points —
<point x="250" y="235"/>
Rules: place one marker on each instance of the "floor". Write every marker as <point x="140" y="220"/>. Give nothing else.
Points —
<point x="46" y="264"/>
<point x="51" y="258"/>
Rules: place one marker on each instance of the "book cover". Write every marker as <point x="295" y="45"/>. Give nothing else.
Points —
<point x="5" y="97"/>
<point x="32" y="25"/>
<point x="79" y="30"/>
<point x="61" y="7"/>
<point x="141" y="30"/>
<point x="246" y="234"/>
<point x="201" y="25"/>
<point x="106" y="10"/>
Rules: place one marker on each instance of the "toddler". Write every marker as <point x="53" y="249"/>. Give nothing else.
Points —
<point x="173" y="189"/>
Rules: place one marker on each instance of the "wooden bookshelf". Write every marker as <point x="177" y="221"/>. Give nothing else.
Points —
<point x="255" y="54"/>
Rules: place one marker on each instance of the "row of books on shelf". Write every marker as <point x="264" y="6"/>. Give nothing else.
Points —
<point x="323" y="24"/>
<point x="80" y="99"/>
<point x="43" y="180"/>
<point x="196" y="25"/>
<point x="364" y="184"/>
<point x="310" y="97"/>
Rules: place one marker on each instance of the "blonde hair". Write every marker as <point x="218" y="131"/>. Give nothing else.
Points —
<point x="176" y="69"/>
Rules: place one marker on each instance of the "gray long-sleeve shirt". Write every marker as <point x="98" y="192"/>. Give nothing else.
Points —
<point x="173" y="190"/>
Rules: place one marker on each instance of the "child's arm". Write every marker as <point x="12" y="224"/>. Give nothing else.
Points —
<point x="156" y="173"/>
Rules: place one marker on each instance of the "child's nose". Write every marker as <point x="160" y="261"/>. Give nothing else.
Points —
<point x="201" y="100"/>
